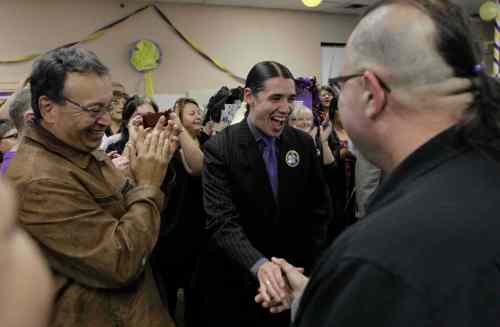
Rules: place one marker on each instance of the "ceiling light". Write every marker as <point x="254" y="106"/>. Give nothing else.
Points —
<point x="311" y="3"/>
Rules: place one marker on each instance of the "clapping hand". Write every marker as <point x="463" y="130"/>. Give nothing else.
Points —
<point x="152" y="151"/>
<point x="324" y="132"/>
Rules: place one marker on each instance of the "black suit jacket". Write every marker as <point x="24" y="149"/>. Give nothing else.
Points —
<point x="244" y="219"/>
<point x="245" y="222"/>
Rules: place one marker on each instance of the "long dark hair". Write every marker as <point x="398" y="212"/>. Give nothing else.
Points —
<point x="263" y="71"/>
<point x="334" y="103"/>
<point x="480" y="125"/>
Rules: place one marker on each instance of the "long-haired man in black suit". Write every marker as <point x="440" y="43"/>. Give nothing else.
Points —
<point x="264" y="196"/>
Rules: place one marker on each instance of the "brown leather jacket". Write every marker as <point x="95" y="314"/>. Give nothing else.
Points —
<point x="96" y="229"/>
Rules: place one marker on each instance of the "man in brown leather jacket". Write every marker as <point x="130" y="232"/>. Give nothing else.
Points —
<point x="95" y="226"/>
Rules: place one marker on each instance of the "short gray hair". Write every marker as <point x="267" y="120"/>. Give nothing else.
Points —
<point x="5" y="126"/>
<point x="298" y="109"/>
<point x="19" y="105"/>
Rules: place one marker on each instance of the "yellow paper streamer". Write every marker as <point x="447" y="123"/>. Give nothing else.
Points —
<point x="148" y="78"/>
<point x="97" y="34"/>
<point x="496" y="47"/>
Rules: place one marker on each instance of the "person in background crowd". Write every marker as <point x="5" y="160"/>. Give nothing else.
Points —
<point x="188" y="115"/>
<point x="26" y="288"/>
<point x="240" y="114"/>
<point x="96" y="227"/>
<point x="427" y="253"/>
<point x="327" y="99"/>
<point x="338" y="161"/>
<point x="182" y="235"/>
<point x="4" y="112"/>
<point x="4" y="108"/>
<point x="8" y="138"/>
<point x="21" y="114"/>
<point x="302" y="118"/>
<point x="341" y="179"/>
<point x="112" y="133"/>
<point x="135" y="107"/>
<point x="367" y="178"/>
<point x="264" y="194"/>
<point x="120" y="96"/>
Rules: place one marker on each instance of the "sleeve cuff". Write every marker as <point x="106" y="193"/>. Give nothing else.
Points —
<point x="295" y="306"/>
<point x="256" y="266"/>
<point x="148" y="192"/>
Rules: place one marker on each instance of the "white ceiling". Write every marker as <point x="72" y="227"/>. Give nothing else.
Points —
<point x="327" y="6"/>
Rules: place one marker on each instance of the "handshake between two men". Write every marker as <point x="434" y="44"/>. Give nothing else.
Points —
<point x="280" y="284"/>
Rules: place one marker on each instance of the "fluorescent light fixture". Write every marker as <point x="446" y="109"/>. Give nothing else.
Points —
<point x="311" y="3"/>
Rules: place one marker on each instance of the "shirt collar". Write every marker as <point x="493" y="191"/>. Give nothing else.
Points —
<point x="430" y="155"/>
<point x="80" y="158"/>
<point x="258" y="134"/>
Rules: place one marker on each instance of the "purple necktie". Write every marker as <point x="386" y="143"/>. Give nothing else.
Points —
<point x="269" y="156"/>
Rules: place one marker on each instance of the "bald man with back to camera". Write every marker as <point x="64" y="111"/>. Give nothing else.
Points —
<point x="417" y="102"/>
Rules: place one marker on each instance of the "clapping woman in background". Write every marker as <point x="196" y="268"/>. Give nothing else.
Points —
<point x="183" y="221"/>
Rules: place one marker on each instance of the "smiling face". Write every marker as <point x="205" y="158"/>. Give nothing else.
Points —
<point x="269" y="108"/>
<point x="326" y="98"/>
<point x="117" y="103"/>
<point x="191" y="118"/>
<point x="72" y="125"/>
<point x="303" y="119"/>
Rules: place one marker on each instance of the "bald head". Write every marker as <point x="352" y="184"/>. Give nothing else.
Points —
<point x="425" y="52"/>
<point x="400" y="41"/>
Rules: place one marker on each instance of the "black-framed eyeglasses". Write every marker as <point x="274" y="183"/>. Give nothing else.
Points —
<point x="95" y="111"/>
<point x="11" y="136"/>
<point x="337" y="83"/>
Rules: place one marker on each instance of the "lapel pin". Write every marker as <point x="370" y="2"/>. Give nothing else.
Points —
<point x="292" y="158"/>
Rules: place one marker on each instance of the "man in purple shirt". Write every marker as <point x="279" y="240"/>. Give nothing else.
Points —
<point x="7" y="157"/>
<point x="20" y="112"/>
<point x="8" y="139"/>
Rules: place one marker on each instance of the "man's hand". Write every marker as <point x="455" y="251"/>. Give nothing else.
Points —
<point x="296" y="282"/>
<point x="272" y="284"/>
<point x="151" y="153"/>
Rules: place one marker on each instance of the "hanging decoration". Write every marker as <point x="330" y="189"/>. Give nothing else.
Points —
<point x="100" y="32"/>
<point x="496" y="47"/>
<point x="145" y="57"/>
<point x="94" y="36"/>
<point x="489" y="11"/>
<point x="196" y="48"/>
